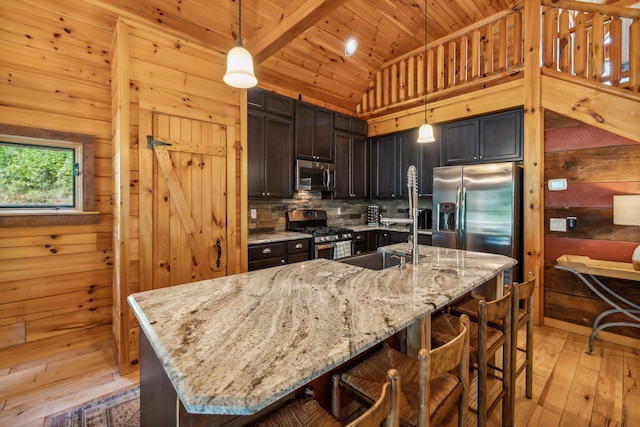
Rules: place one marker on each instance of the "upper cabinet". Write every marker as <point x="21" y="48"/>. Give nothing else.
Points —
<point x="313" y="133"/>
<point x="491" y="138"/>
<point x="269" y="102"/>
<point x="352" y="171"/>
<point x="269" y="146"/>
<point x="391" y="156"/>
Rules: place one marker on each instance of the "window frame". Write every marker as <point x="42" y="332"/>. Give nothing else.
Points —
<point x="84" y="211"/>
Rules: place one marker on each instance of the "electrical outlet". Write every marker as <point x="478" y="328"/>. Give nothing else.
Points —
<point x="557" y="224"/>
<point x="254" y="214"/>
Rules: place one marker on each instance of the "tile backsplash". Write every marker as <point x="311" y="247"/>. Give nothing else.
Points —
<point x="272" y="213"/>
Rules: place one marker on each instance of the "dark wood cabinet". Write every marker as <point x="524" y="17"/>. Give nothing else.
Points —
<point x="391" y="156"/>
<point x="491" y="138"/>
<point x="350" y="124"/>
<point x="262" y="100"/>
<point x="267" y="255"/>
<point x="360" y="242"/>
<point x="384" y="167"/>
<point x="269" y="155"/>
<point x="352" y="166"/>
<point x="313" y="133"/>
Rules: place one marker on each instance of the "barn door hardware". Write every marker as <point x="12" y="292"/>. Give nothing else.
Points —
<point x="152" y="142"/>
<point x="219" y="248"/>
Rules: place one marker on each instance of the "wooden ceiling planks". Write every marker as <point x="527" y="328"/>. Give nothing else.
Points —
<point x="298" y="45"/>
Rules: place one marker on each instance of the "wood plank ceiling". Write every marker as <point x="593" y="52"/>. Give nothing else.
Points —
<point x="299" y="44"/>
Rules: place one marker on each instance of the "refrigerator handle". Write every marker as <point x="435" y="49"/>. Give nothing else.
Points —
<point x="463" y="218"/>
<point x="457" y="219"/>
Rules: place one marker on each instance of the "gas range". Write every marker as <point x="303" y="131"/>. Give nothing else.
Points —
<point x="325" y="238"/>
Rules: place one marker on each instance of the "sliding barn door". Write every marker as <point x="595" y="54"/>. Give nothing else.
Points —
<point x="184" y="228"/>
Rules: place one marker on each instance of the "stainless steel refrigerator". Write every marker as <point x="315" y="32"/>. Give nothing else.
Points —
<point x="478" y="208"/>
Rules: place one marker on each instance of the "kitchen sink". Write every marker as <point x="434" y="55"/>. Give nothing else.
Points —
<point x="376" y="260"/>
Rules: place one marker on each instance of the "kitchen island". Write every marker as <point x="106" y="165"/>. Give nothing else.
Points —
<point x="235" y="345"/>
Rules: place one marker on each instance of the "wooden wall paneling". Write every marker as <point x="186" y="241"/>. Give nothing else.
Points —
<point x="52" y="266"/>
<point x="533" y="153"/>
<point x="608" y="164"/>
<point x="122" y="192"/>
<point x="234" y="221"/>
<point x="145" y="199"/>
<point x="591" y="194"/>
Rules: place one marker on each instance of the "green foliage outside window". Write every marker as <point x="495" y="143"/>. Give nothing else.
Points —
<point x="36" y="176"/>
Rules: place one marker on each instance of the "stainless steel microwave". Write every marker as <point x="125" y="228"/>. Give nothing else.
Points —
<point x="315" y="176"/>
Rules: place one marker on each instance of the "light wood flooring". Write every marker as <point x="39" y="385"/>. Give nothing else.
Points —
<point x="571" y="388"/>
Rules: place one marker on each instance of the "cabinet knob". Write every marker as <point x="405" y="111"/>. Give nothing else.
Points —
<point x="263" y="194"/>
<point x="268" y="194"/>
<point x="299" y="246"/>
<point x="266" y="251"/>
<point x="282" y="261"/>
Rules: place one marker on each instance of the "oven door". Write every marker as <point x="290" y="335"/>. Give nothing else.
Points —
<point x="324" y="250"/>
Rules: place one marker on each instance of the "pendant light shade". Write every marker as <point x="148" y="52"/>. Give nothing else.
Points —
<point x="239" y="62"/>
<point x="240" y="68"/>
<point x="425" y="133"/>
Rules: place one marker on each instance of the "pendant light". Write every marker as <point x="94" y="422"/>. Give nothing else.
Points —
<point x="425" y="133"/>
<point x="239" y="62"/>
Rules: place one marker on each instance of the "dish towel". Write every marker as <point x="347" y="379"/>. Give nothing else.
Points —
<point x="342" y="249"/>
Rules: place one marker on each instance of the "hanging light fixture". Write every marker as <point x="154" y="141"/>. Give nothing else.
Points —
<point x="239" y="62"/>
<point x="425" y="133"/>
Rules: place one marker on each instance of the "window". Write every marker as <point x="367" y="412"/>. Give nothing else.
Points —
<point x="45" y="173"/>
<point x="39" y="174"/>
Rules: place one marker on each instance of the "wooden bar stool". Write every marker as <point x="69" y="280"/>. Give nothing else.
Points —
<point x="485" y="341"/>
<point x="432" y="385"/>
<point x="308" y="412"/>
<point x="522" y="297"/>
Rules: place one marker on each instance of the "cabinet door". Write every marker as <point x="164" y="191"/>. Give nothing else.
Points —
<point x="501" y="136"/>
<point x="278" y="158"/>
<point x="384" y="165"/>
<point x="407" y="153"/>
<point x="359" y="167"/>
<point x="305" y="131"/>
<point x="255" y="153"/>
<point x="428" y="159"/>
<point x="461" y="142"/>
<point x="343" y="165"/>
<point x="324" y="135"/>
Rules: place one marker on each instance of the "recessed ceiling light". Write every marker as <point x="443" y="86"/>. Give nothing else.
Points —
<point x="350" y="46"/>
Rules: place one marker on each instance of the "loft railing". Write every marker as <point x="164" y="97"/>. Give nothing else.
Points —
<point x="489" y="50"/>
<point x="592" y="41"/>
<point x="584" y="40"/>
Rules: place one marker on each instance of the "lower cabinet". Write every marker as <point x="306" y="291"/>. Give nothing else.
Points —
<point x="361" y="242"/>
<point x="267" y="255"/>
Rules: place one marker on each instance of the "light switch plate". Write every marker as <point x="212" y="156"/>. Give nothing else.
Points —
<point x="254" y="214"/>
<point x="557" y="224"/>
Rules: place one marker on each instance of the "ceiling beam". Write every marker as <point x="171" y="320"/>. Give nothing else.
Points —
<point x="295" y="19"/>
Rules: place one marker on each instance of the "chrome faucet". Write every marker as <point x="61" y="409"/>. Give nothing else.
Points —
<point x="412" y="186"/>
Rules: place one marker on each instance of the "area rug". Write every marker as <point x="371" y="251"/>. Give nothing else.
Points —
<point x="118" y="410"/>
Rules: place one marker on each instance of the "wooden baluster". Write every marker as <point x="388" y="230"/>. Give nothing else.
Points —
<point x="549" y="37"/>
<point x="634" y="56"/>
<point x="451" y="64"/>
<point x="580" y="47"/>
<point x="431" y="63"/>
<point x="394" y="83"/>
<point x="564" y="42"/>
<point x="463" y="59"/>
<point x="596" y="53"/>
<point x="420" y="65"/>
<point x="411" y="78"/>
<point x="518" y="42"/>
<point x="372" y="95"/>
<point x="440" y="68"/>
<point x="488" y="50"/>
<point x="402" y="81"/>
<point x="615" y="50"/>
<point x="365" y="101"/>
<point x="475" y="54"/>
<point x="502" y="42"/>
<point x="386" y="87"/>
<point x="379" y="89"/>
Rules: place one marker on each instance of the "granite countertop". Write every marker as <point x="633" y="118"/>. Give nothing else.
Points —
<point x="401" y="228"/>
<point x="235" y="344"/>
<point x="275" y="236"/>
